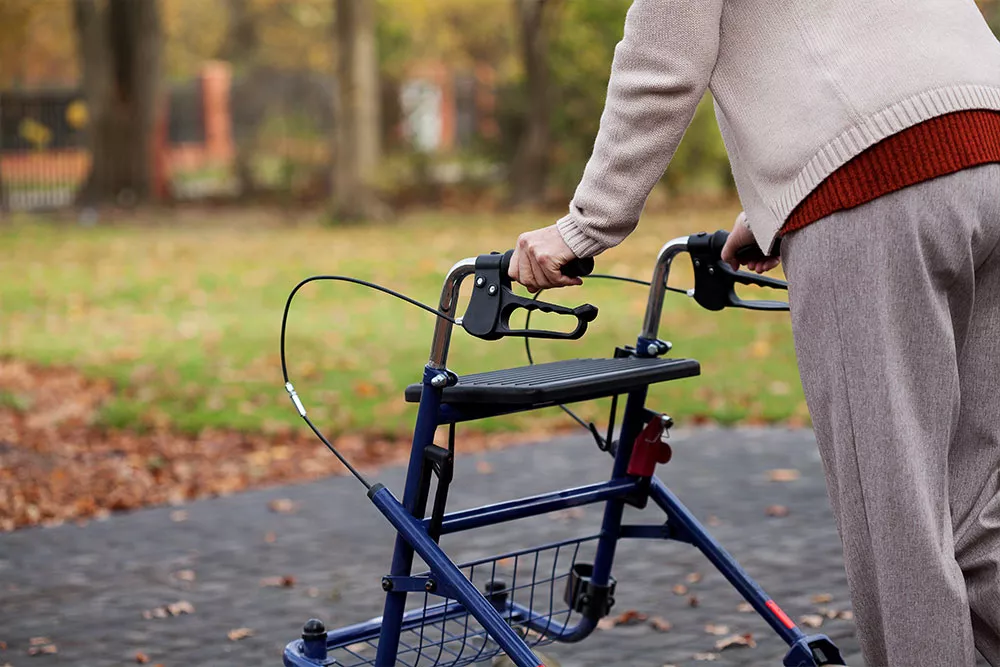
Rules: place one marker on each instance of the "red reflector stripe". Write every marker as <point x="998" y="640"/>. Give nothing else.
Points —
<point x="782" y="616"/>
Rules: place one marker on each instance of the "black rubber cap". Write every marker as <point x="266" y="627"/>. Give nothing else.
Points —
<point x="313" y="630"/>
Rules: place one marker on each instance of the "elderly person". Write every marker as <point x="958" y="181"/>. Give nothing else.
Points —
<point x="866" y="135"/>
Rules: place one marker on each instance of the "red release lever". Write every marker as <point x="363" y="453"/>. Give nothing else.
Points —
<point x="649" y="449"/>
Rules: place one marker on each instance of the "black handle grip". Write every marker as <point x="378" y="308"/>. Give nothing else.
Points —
<point x="715" y="281"/>
<point x="752" y="253"/>
<point x="575" y="268"/>
<point x="578" y="268"/>
<point x="493" y="302"/>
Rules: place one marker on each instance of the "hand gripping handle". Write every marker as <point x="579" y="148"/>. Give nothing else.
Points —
<point x="493" y="302"/>
<point x="715" y="281"/>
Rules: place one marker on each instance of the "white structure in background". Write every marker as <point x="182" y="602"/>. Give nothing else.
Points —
<point x="422" y="106"/>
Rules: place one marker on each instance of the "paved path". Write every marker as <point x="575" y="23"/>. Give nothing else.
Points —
<point x="86" y="588"/>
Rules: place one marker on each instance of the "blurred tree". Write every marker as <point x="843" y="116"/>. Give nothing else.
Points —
<point x="119" y="45"/>
<point x="530" y="167"/>
<point x="991" y="10"/>
<point x="580" y="54"/>
<point x="356" y="112"/>
<point x="240" y="48"/>
<point x="459" y="32"/>
<point x="34" y="50"/>
<point x="193" y="32"/>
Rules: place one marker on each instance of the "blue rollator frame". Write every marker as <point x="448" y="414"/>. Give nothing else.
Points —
<point x="514" y="602"/>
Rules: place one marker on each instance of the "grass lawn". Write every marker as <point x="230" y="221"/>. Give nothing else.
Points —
<point x="182" y="313"/>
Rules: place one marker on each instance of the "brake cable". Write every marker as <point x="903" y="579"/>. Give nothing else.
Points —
<point x="300" y="408"/>
<point x="284" y="366"/>
<point x="527" y="350"/>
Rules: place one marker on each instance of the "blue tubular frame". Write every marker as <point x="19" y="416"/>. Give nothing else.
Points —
<point x="406" y="517"/>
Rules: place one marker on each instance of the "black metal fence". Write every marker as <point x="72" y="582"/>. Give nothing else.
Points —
<point x="43" y="159"/>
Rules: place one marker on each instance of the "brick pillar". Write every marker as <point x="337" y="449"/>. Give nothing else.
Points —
<point x="161" y="151"/>
<point x="216" y="78"/>
<point x="486" y="103"/>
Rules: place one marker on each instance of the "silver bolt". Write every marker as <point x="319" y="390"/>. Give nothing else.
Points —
<point x="652" y="349"/>
<point x="492" y="290"/>
<point x="711" y="270"/>
<point x="439" y="380"/>
<point x="480" y="281"/>
<point x="697" y="263"/>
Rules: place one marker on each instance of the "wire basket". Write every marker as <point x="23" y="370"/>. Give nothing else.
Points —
<point x="527" y="588"/>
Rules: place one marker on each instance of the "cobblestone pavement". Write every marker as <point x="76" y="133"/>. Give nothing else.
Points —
<point x="86" y="587"/>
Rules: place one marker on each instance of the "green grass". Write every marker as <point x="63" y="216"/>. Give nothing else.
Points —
<point x="183" y="314"/>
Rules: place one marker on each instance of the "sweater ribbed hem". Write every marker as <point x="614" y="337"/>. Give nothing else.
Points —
<point x="577" y="240"/>
<point x="865" y="134"/>
<point x="933" y="148"/>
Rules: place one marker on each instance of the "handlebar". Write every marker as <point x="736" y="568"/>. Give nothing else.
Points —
<point x="490" y="318"/>
<point x="493" y="300"/>
<point x="575" y="268"/>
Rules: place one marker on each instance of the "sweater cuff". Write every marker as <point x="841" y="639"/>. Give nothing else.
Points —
<point x="577" y="240"/>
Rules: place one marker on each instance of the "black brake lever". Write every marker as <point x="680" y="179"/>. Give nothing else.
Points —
<point x="493" y="302"/>
<point x="715" y="281"/>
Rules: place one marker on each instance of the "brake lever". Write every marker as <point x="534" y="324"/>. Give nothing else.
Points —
<point x="715" y="280"/>
<point x="494" y="301"/>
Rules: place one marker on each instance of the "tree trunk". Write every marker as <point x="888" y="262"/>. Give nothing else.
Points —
<point x="530" y="166"/>
<point x="356" y="113"/>
<point x="119" y="44"/>
<point x="240" y="49"/>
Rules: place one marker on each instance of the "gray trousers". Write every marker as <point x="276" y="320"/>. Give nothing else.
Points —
<point x="896" y="317"/>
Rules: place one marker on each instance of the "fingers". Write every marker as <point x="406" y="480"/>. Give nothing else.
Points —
<point x="729" y="254"/>
<point x="539" y="257"/>
<point x="742" y="236"/>
<point x="513" y="271"/>
<point x="525" y="267"/>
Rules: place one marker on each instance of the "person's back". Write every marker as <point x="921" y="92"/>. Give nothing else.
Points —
<point x="865" y="134"/>
<point x="802" y="86"/>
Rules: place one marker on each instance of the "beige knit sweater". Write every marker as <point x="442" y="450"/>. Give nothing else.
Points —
<point x="800" y="86"/>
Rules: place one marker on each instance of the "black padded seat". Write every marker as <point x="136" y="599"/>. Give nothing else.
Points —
<point x="561" y="381"/>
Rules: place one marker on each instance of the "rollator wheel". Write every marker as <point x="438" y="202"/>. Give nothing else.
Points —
<point x="504" y="661"/>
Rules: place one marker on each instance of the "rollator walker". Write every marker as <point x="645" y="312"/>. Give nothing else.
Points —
<point x="510" y="604"/>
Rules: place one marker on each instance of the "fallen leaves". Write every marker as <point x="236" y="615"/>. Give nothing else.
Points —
<point x="41" y="646"/>
<point x="141" y="657"/>
<point x="731" y="641"/>
<point x="834" y="615"/>
<point x="693" y="577"/>
<point x="568" y="515"/>
<point x="705" y="657"/>
<point x="484" y="467"/>
<point x="744" y="607"/>
<point x="185" y="575"/>
<point x="239" y="633"/>
<point x="680" y="589"/>
<point x="630" y="617"/>
<point x="776" y="511"/>
<point x="811" y="620"/>
<point x="717" y="630"/>
<point x="661" y="624"/>
<point x="821" y="598"/>
<point x="284" y="581"/>
<point x="783" y="475"/>
<point x="282" y="506"/>
<point x="58" y="463"/>
<point x="173" y="609"/>
<point x="634" y="617"/>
